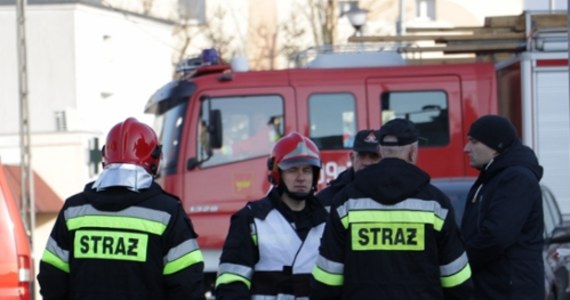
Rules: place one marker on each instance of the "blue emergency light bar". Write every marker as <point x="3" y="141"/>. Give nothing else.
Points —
<point x="208" y="57"/>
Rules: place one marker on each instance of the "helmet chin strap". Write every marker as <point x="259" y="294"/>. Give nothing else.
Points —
<point x="297" y="196"/>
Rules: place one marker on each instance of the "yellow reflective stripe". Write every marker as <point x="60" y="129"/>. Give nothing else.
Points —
<point x="344" y="221"/>
<point x="118" y="222"/>
<point x="183" y="262"/>
<point x="231" y="278"/>
<point x="110" y="245"/>
<point x="254" y="239"/>
<point x="55" y="261"/>
<point x="395" y="216"/>
<point x="438" y="224"/>
<point x="327" y="278"/>
<point x="457" y="278"/>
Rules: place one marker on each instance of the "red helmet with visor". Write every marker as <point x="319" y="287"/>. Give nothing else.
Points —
<point x="290" y="151"/>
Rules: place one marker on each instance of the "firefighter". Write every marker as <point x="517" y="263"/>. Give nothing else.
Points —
<point x="394" y="236"/>
<point x="364" y="152"/>
<point x="272" y="243"/>
<point x="123" y="237"/>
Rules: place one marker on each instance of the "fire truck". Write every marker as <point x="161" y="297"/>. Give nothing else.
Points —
<point x="217" y="123"/>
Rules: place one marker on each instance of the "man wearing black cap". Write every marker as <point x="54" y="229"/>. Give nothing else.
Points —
<point x="503" y="223"/>
<point x="393" y="234"/>
<point x="364" y="152"/>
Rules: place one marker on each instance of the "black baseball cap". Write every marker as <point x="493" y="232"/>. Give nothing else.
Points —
<point x="404" y="130"/>
<point x="365" y="141"/>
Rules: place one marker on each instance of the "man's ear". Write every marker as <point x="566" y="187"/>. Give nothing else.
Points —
<point x="351" y="156"/>
<point x="413" y="154"/>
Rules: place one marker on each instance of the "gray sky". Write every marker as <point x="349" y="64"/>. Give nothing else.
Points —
<point x="545" y="4"/>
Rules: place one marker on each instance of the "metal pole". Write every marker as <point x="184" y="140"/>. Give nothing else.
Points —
<point x="568" y="43"/>
<point x="27" y="207"/>
<point x="400" y="26"/>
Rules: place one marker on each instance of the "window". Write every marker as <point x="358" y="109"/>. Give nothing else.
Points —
<point x="169" y="127"/>
<point x="60" y="120"/>
<point x="332" y="120"/>
<point x="250" y="126"/>
<point x="427" y="109"/>
<point x="425" y="9"/>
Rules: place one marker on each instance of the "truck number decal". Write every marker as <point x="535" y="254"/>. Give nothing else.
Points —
<point x="330" y="171"/>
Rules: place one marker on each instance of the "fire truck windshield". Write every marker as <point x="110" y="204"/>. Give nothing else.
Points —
<point x="169" y="126"/>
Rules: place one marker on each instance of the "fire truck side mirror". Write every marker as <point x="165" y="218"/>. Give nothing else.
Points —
<point x="215" y="129"/>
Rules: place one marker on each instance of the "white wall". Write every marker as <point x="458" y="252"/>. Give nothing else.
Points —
<point x="76" y="53"/>
<point x="125" y="56"/>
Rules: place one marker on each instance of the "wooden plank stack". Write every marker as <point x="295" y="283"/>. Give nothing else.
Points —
<point x="500" y="37"/>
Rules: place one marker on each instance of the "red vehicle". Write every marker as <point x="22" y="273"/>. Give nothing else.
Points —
<point x="16" y="274"/>
<point x="211" y="119"/>
<point x="205" y="119"/>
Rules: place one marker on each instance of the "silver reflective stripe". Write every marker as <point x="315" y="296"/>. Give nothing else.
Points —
<point x="131" y="176"/>
<point x="408" y="204"/>
<point x="133" y="212"/>
<point x="330" y="266"/>
<point x="308" y="254"/>
<point x="278" y="297"/>
<point x="57" y="251"/>
<point x="181" y="250"/>
<point x="342" y="210"/>
<point x="240" y="270"/>
<point x="278" y="244"/>
<point x="454" y="266"/>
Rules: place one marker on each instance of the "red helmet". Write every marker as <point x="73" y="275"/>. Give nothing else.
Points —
<point x="132" y="142"/>
<point x="290" y="151"/>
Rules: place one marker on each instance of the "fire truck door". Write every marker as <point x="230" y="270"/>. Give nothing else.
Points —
<point x="434" y="104"/>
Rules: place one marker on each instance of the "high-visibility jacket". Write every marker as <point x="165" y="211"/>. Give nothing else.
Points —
<point x="393" y="236"/>
<point x="121" y="244"/>
<point x="270" y="251"/>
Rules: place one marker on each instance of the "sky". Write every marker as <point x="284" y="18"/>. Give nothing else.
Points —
<point x="545" y="4"/>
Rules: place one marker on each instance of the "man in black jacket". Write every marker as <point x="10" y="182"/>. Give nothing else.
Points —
<point x="123" y="237"/>
<point x="393" y="235"/>
<point x="364" y="152"/>
<point x="503" y="223"/>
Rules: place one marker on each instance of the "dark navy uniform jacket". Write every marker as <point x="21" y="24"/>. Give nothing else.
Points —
<point x="121" y="244"/>
<point x="391" y="235"/>
<point x="326" y="195"/>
